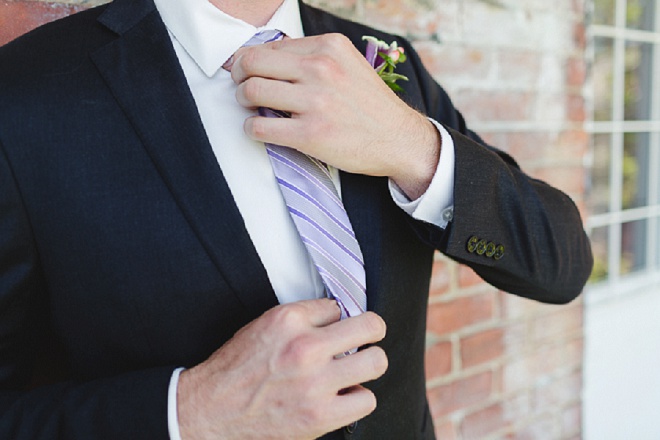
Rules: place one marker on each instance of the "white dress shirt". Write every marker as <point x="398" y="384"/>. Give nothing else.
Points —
<point x="204" y="38"/>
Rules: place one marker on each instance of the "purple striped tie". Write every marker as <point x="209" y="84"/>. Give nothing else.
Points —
<point x="319" y="215"/>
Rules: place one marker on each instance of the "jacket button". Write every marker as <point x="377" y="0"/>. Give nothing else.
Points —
<point x="499" y="252"/>
<point x="472" y="244"/>
<point x="351" y="428"/>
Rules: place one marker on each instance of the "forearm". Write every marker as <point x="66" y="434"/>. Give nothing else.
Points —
<point x="546" y="255"/>
<point x="130" y="406"/>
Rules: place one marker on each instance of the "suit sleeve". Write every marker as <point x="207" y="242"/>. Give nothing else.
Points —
<point x="102" y="409"/>
<point x="518" y="233"/>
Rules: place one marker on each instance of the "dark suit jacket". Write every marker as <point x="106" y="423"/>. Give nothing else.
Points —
<point x="123" y="255"/>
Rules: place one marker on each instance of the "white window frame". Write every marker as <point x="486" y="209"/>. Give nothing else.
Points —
<point x="648" y="278"/>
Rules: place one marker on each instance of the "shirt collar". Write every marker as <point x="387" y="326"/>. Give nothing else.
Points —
<point x="210" y="36"/>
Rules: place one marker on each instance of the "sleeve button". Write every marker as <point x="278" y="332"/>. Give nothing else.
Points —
<point x="481" y="247"/>
<point x="490" y="249"/>
<point x="499" y="252"/>
<point x="472" y="244"/>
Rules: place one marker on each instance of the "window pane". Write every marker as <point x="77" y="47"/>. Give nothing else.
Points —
<point x="633" y="246"/>
<point x="599" y="246"/>
<point x="604" y="12"/>
<point x="639" y="59"/>
<point x="603" y="71"/>
<point x="599" y="189"/>
<point x="640" y="14"/>
<point x="635" y="170"/>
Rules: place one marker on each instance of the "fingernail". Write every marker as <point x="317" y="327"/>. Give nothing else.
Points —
<point x="229" y="63"/>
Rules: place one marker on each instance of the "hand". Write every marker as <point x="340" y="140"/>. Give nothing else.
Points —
<point x="277" y="378"/>
<point x="342" y="112"/>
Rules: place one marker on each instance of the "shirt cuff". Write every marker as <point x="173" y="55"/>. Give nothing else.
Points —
<point x="436" y="205"/>
<point x="172" y="415"/>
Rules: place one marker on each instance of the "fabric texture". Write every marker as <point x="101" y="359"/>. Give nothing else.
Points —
<point x="123" y="254"/>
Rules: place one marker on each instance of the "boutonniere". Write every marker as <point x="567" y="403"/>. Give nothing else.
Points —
<point x="384" y="57"/>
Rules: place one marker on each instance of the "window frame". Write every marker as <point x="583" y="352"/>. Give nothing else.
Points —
<point x="617" y="127"/>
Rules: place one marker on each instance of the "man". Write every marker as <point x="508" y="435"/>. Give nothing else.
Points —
<point x="143" y="229"/>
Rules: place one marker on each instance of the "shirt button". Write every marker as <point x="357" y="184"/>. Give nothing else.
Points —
<point x="448" y="214"/>
<point x="351" y="428"/>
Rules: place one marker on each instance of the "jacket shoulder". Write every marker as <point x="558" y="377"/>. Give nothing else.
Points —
<point x="54" y="45"/>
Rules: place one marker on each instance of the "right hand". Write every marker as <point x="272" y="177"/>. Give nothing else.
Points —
<point x="278" y="377"/>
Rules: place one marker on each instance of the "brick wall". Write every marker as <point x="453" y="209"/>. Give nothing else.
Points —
<point x="498" y="367"/>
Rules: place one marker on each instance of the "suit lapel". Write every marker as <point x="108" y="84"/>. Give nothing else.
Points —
<point x="143" y="72"/>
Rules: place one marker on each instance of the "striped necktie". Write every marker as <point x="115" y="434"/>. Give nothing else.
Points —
<point x="319" y="215"/>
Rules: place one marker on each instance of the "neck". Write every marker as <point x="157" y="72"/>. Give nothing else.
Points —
<point x="255" y="12"/>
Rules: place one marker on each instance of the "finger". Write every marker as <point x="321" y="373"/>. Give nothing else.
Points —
<point x="265" y="62"/>
<point x="363" y="366"/>
<point x="356" y="331"/>
<point x="326" y="43"/>
<point x="353" y="404"/>
<point x="321" y="312"/>
<point x="279" y="131"/>
<point x="262" y="92"/>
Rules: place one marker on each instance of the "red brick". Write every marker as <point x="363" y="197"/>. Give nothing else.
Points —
<point x="521" y="67"/>
<point x="17" y="18"/>
<point x="516" y="307"/>
<point x="561" y="356"/>
<point x="576" y="108"/>
<point x="482" y="347"/>
<point x="580" y="35"/>
<point x="495" y="105"/>
<point x="440" y="278"/>
<point x="576" y="72"/>
<point x="468" y="277"/>
<point x="558" y="393"/>
<point x="483" y="422"/>
<point x="445" y="430"/>
<point x="438" y="360"/>
<point x="419" y="19"/>
<point x="452" y="62"/>
<point x="460" y="394"/>
<point x="561" y="321"/>
<point x="446" y="317"/>
<point x="517" y="407"/>
<point x="516" y="336"/>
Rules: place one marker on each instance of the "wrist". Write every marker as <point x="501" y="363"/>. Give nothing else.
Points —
<point x="420" y="152"/>
<point x="188" y="410"/>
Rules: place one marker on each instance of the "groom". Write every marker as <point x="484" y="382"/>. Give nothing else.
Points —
<point x="152" y="283"/>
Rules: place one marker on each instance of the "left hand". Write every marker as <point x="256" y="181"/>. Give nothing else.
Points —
<point x="342" y="111"/>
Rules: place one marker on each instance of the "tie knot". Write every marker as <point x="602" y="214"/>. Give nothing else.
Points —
<point x="262" y="37"/>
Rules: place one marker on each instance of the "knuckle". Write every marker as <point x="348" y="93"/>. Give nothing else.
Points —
<point x="248" y="60"/>
<point x="300" y="352"/>
<point x="289" y="315"/>
<point x="324" y="67"/>
<point x="336" y="41"/>
<point x="252" y="89"/>
<point x="255" y="128"/>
